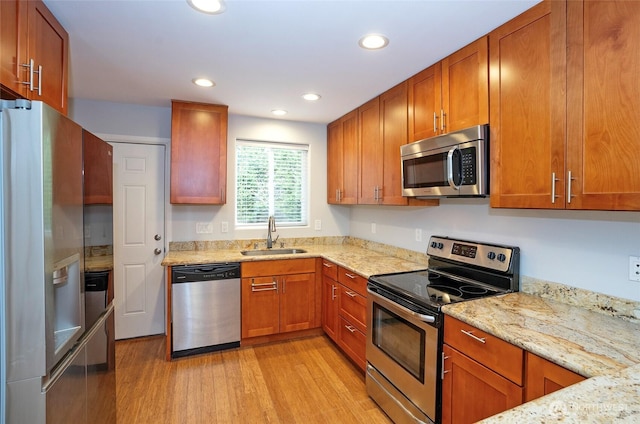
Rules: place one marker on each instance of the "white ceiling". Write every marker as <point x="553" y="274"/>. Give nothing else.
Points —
<point x="263" y="55"/>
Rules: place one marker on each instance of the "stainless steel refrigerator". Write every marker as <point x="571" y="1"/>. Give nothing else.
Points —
<point x="44" y="339"/>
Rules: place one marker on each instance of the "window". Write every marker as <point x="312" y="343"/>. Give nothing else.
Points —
<point x="271" y="179"/>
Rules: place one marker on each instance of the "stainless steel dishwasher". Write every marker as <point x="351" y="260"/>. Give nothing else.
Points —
<point x="205" y="308"/>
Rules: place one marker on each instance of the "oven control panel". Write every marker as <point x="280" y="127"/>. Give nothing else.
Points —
<point x="492" y="256"/>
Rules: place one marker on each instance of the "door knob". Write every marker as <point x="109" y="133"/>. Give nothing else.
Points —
<point x="157" y="237"/>
<point x="157" y="251"/>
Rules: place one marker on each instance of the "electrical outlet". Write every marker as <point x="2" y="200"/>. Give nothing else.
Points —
<point x="204" y="228"/>
<point x="318" y="225"/>
<point x="634" y="268"/>
<point x="373" y="228"/>
<point x="418" y="234"/>
<point x="224" y="227"/>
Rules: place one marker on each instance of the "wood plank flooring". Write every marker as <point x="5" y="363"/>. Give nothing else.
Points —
<point x="301" y="381"/>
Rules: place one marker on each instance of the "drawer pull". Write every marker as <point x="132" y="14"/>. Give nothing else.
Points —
<point x="350" y="328"/>
<point x="327" y="265"/>
<point x="470" y="334"/>
<point x="333" y="291"/>
<point x="350" y="275"/>
<point x="350" y="294"/>
<point x="443" y="372"/>
<point x="264" y="286"/>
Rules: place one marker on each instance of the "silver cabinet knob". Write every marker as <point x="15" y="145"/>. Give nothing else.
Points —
<point x="157" y="237"/>
<point x="157" y="251"/>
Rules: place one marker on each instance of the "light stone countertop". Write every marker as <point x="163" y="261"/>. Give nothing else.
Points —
<point x="98" y="263"/>
<point x="360" y="260"/>
<point x="586" y="342"/>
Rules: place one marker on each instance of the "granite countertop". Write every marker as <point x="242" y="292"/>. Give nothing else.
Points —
<point x="586" y="342"/>
<point x="360" y="260"/>
<point x="98" y="263"/>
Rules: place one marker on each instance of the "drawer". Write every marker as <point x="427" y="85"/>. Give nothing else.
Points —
<point x="353" y="343"/>
<point x="492" y="352"/>
<point x="353" y="307"/>
<point x="352" y="280"/>
<point x="277" y="267"/>
<point x="330" y="269"/>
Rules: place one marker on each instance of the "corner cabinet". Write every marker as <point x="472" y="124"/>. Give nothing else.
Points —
<point x="342" y="160"/>
<point x="34" y="54"/>
<point x="198" y="153"/>
<point x="450" y="95"/>
<point x="565" y="133"/>
<point x="279" y="297"/>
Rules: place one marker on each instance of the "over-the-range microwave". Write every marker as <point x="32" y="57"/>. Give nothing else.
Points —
<point x="449" y="165"/>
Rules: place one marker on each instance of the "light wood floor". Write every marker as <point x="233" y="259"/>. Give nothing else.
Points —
<point x="301" y="381"/>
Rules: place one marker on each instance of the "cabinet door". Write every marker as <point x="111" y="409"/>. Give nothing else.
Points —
<point x="465" y="87"/>
<point x="342" y="160"/>
<point x="603" y="150"/>
<point x="334" y="161"/>
<point x="198" y="153"/>
<point x="98" y="170"/>
<point x="260" y="307"/>
<point x="544" y="377"/>
<point x="48" y="43"/>
<point x="371" y="152"/>
<point x="13" y="45"/>
<point x="393" y="122"/>
<point x="472" y="392"/>
<point x="330" y="307"/>
<point x="297" y="302"/>
<point x="425" y="102"/>
<point x="528" y="110"/>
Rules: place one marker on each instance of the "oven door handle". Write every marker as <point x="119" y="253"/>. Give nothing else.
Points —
<point x="430" y="319"/>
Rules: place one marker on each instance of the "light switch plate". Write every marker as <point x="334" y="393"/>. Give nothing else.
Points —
<point x="204" y="228"/>
<point x="418" y="234"/>
<point x="634" y="268"/>
<point x="224" y="227"/>
<point x="318" y="225"/>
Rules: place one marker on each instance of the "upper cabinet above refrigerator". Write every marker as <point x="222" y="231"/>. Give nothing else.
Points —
<point x="98" y="170"/>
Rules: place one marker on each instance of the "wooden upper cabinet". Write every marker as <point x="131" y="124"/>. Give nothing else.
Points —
<point x="34" y="51"/>
<point x="450" y="95"/>
<point x="528" y="109"/>
<point x="371" y="152"/>
<point x="603" y="94"/>
<point x="98" y="170"/>
<point x="342" y="160"/>
<point x="198" y="153"/>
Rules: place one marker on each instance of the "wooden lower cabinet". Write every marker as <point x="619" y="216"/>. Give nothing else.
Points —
<point x="472" y="392"/>
<point x="544" y="377"/>
<point x="344" y="310"/>
<point x="278" y="297"/>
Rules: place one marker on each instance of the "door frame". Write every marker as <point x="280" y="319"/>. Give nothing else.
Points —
<point x="159" y="141"/>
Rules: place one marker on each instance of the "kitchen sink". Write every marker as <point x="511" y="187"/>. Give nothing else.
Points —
<point x="263" y="252"/>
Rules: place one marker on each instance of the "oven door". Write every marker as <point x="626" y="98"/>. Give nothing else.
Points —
<point x="402" y="349"/>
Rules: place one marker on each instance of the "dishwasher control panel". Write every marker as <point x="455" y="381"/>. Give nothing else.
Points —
<point x="205" y="272"/>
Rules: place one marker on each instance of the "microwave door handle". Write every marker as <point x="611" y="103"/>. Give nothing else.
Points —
<point x="450" y="179"/>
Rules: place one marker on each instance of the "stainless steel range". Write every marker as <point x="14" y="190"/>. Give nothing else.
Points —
<point x="404" y="335"/>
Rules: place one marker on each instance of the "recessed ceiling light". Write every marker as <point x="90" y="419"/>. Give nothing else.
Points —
<point x="211" y="7"/>
<point x="279" y="112"/>
<point x="373" y="41"/>
<point x="203" y="82"/>
<point x="312" y="97"/>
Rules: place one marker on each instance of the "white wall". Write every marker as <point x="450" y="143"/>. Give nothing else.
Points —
<point x="585" y="249"/>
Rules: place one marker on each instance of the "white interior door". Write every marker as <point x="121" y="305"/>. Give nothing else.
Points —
<point x="138" y="216"/>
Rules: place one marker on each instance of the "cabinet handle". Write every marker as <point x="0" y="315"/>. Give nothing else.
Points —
<point x="350" y="328"/>
<point x="350" y="275"/>
<point x="39" y="72"/>
<point x="333" y="291"/>
<point x="350" y="294"/>
<point x="553" y="187"/>
<point x="222" y="198"/>
<point x="442" y="371"/>
<point x="435" y="123"/>
<point x="29" y="65"/>
<point x="326" y="264"/>
<point x="442" y="123"/>
<point x="263" y="286"/>
<point x="470" y="334"/>
<point x="569" y="179"/>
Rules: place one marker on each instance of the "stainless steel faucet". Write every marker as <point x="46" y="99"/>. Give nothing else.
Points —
<point x="271" y="227"/>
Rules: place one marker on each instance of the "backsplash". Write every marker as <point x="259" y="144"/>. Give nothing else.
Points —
<point x="626" y="309"/>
